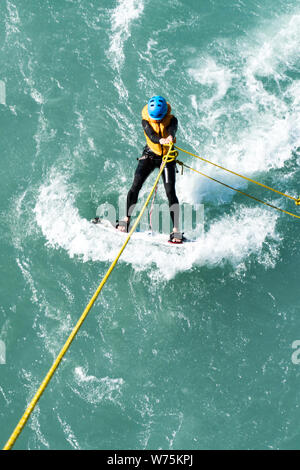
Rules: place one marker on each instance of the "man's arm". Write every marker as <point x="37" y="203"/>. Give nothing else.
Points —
<point x="172" y="128"/>
<point x="155" y="138"/>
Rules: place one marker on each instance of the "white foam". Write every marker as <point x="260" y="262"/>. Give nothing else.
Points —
<point x="13" y="13"/>
<point x="68" y="432"/>
<point x="12" y="22"/>
<point x="208" y="72"/>
<point x="43" y="133"/>
<point x="278" y="47"/>
<point x="95" y="390"/>
<point x="37" y="96"/>
<point x="243" y="233"/>
<point x="31" y="384"/>
<point x="245" y="112"/>
<point x="122" y="18"/>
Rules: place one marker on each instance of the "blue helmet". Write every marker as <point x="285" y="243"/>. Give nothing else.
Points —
<point x="157" y="108"/>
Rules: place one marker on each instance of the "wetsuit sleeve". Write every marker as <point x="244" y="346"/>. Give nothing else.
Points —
<point x="153" y="136"/>
<point x="172" y="128"/>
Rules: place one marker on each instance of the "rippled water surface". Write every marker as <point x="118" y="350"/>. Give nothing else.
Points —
<point x="186" y="348"/>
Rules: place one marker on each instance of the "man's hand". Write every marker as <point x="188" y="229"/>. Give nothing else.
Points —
<point x="166" y="141"/>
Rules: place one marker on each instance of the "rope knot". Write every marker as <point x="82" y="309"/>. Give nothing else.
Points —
<point x="171" y="155"/>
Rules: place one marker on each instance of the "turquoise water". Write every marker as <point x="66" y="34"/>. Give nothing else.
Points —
<point x="186" y="348"/>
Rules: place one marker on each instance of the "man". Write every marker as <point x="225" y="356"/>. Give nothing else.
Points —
<point x="160" y="127"/>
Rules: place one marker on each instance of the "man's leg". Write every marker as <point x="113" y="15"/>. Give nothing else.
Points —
<point x="143" y="170"/>
<point x="169" y="178"/>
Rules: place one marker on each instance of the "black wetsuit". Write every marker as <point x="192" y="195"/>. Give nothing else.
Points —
<point x="147" y="163"/>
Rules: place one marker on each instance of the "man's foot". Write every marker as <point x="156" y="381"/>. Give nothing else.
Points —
<point x="123" y="225"/>
<point x="176" y="238"/>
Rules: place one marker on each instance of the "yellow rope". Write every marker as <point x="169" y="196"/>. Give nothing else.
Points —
<point x="171" y="155"/>
<point x="238" y="190"/>
<point x="297" y="200"/>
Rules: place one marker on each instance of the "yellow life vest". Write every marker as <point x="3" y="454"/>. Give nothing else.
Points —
<point x="160" y="128"/>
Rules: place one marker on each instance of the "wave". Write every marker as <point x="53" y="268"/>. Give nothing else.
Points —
<point x="245" y="102"/>
<point x="61" y="224"/>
